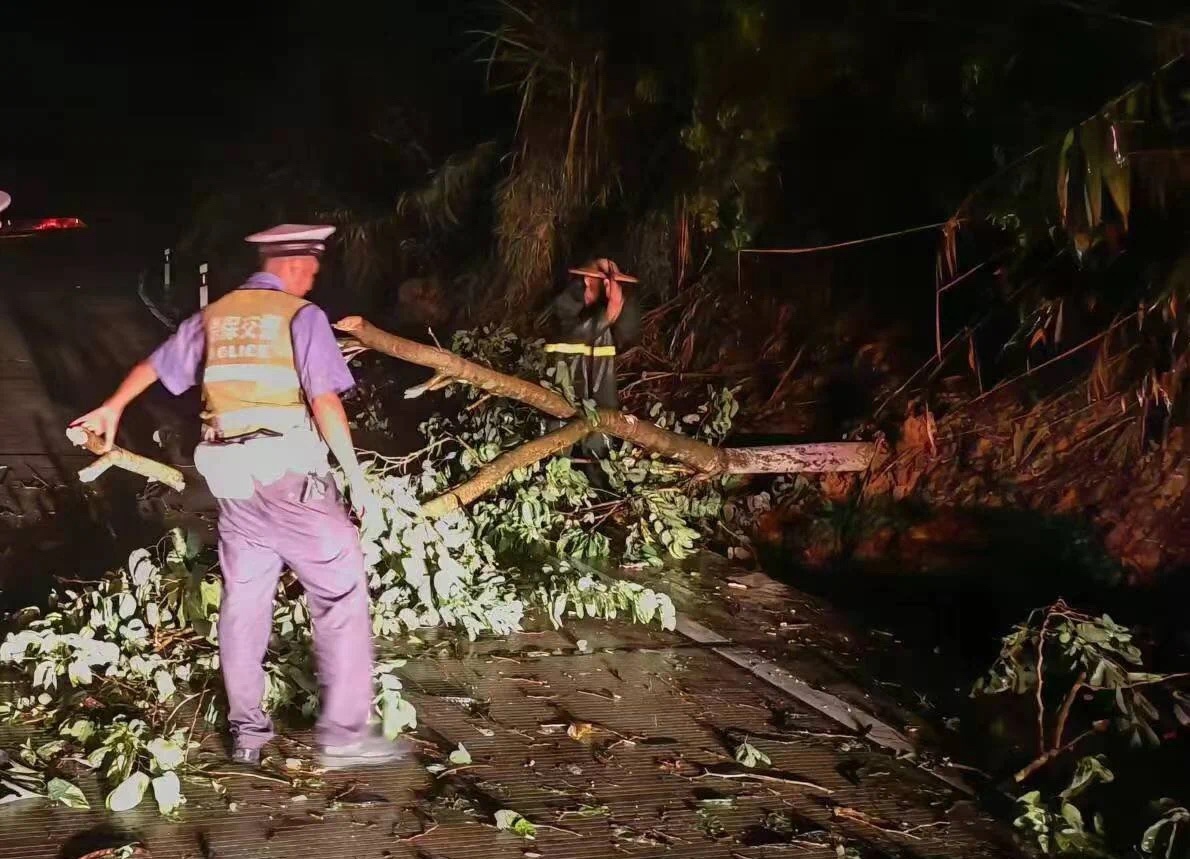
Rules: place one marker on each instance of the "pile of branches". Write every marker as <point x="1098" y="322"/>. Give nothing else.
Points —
<point x="121" y="674"/>
<point x="1086" y="679"/>
<point x="645" y="509"/>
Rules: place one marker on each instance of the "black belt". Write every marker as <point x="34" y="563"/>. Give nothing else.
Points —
<point x="246" y="437"/>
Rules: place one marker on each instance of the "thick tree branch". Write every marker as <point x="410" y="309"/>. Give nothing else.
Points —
<point x="446" y="363"/>
<point x="121" y="458"/>
<point x="696" y="455"/>
<point x="492" y="474"/>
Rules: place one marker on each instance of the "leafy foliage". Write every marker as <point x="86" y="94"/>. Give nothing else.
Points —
<point x="1065" y="831"/>
<point x="104" y="666"/>
<point x="660" y="510"/>
<point x="751" y="757"/>
<point x="1085" y="657"/>
<point x="1167" y="837"/>
<point x="1092" y="654"/>
<point x="111" y="666"/>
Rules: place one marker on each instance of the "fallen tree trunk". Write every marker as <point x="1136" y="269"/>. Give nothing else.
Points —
<point x="776" y="459"/>
<point x="696" y="455"/>
<point x="121" y="458"/>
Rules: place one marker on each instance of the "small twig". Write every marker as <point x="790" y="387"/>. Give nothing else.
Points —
<point x="197" y="712"/>
<point x="1041" y="679"/>
<point x="759" y="777"/>
<point x="250" y="775"/>
<point x="1073" y="349"/>
<point x="421" y="834"/>
<point x="1042" y="760"/>
<point x="454" y="770"/>
<point x="615" y="509"/>
<point x="785" y="377"/>
<point x="857" y="816"/>
<point x="1064" y="713"/>
<point x="182" y="703"/>
<point x="555" y="828"/>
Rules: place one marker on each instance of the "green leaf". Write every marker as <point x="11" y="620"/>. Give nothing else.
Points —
<point x="167" y="790"/>
<point x="1073" y="816"/>
<point x="63" y="792"/>
<point x="141" y="567"/>
<point x="128" y="793"/>
<point x="397" y="714"/>
<point x="751" y="757"/>
<point x="80" y="729"/>
<point x="212" y="594"/>
<point x="1064" y="174"/>
<point x="460" y="757"/>
<point x="1092" y="139"/>
<point x="165" y="685"/>
<point x="668" y="614"/>
<point x="512" y="821"/>
<point x="1088" y="772"/>
<point x="79" y="673"/>
<point x="166" y="755"/>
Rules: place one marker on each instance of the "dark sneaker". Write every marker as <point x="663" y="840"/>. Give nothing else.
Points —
<point x="249" y="757"/>
<point x="368" y="752"/>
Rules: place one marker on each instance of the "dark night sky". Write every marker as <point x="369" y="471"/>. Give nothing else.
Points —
<point x="121" y="117"/>
<point x="106" y="107"/>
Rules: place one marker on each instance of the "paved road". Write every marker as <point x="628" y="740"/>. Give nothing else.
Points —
<point x="71" y="326"/>
<point x="68" y="334"/>
<point x="623" y="748"/>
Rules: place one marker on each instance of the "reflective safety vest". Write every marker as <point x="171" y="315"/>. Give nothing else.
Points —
<point x="250" y="381"/>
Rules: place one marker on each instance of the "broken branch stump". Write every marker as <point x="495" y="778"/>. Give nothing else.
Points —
<point x="121" y="458"/>
<point x="694" y="454"/>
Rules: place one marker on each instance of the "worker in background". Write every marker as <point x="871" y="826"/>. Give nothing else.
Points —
<point x="271" y="374"/>
<point x="594" y="316"/>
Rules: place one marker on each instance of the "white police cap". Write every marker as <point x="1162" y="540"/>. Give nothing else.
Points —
<point x="287" y="240"/>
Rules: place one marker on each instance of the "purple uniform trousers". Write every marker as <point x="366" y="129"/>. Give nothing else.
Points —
<point x="283" y="524"/>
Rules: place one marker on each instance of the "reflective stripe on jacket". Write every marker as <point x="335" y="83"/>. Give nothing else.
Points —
<point x="581" y="349"/>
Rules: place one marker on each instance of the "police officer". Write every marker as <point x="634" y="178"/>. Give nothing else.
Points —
<point x="271" y="374"/>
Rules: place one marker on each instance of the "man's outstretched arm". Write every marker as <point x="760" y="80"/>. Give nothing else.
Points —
<point x="175" y="364"/>
<point x="105" y="420"/>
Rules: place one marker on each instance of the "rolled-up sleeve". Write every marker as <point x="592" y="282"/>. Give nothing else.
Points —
<point x="178" y="359"/>
<point x="320" y="365"/>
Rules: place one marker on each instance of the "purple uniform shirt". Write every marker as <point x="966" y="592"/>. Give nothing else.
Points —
<point x="320" y="365"/>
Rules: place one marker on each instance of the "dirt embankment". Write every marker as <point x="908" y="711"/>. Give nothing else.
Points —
<point x="946" y="488"/>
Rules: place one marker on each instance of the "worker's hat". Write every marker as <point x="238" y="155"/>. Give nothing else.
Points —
<point x="291" y="240"/>
<point x="594" y="272"/>
<point x="5" y="200"/>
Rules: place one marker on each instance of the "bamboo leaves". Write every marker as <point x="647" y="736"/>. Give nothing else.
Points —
<point x="1064" y="174"/>
<point x="1093" y="158"/>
